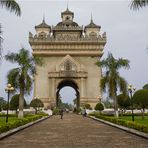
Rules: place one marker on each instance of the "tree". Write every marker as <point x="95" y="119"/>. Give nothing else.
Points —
<point x="112" y="79"/>
<point x="107" y="104"/>
<point x="136" y="4"/>
<point x="14" y="102"/>
<point x="76" y="102"/>
<point x="99" y="106"/>
<point x="140" y="98"/>
<point x="123" y="101"/>
<point x="87" y="106"/>
<point x="11" y="5"/>
<point x="145" y="86"/>
<point x="36" y="104"/>
<point x="3" y="103"/>
<point x="20" y="77"/>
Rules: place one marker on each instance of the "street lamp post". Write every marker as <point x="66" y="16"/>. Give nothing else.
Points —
<point x="35" y="105"/>
<point x="8" y="89"/>
<point x="131" y="89"/>
<point x="100" y="98"/>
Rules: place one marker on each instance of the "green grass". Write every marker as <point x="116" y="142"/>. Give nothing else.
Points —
<point x="138" y="119"/>
<point x="14" y="122"/>
<point x="11" y="118"/>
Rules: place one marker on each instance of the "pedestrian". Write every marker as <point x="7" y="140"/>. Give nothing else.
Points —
<point x="61" y="113"/>
<point x="84" y="112"/>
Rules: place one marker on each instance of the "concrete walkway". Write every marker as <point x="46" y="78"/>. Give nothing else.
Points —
<point x="73" y="131"/>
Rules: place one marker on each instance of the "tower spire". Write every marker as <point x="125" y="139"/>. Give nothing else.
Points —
<point x="67" y="7"/>
<point x="91" y="18"/>
<point x="43" y="18"/>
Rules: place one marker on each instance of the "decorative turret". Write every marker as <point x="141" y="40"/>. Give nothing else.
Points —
<point x="43" y="29"/>
<point x="67" y="28"/>
<point x="67" y="15"/>
<point x="92" y="29"/>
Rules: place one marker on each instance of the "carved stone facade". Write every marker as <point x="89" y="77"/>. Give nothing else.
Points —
<point x="69" y="52"/>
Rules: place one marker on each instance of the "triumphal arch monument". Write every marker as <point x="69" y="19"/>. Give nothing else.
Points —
<point x="69" y="52"/>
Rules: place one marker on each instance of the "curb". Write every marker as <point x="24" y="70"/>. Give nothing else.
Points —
<point x="129" y="130"/>
<point x="15" y="130"/>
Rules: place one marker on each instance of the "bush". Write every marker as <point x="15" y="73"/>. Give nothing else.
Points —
<point x="140" y="98"/>
<point x="99" y="106"/>
<point x="87" y="106"/>
<point x="123" y="101"/>
<point x="130" y="124"/>
<point x="14" y="102"/>
<point x="36" y="104"/>
<point x="19" y="122"/>
<point x="56" y="111"/>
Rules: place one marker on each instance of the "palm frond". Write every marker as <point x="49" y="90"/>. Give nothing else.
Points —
<point x="13" y="77"/>
<point x="12" y="57"/>
<point x="28" y="84"/>
<point x="38" y="60"/>
<point x="21" y="78"/>
<point x="12" y="6"/>
<point x="122" y="84"/>
<point x="136" y="4"/>
<point x="103" y="82"/>
<point x="122" y="63"/>
<point x="103" y="63"/>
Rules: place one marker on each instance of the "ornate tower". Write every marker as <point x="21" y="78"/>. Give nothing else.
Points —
<point x="69" y="52"/>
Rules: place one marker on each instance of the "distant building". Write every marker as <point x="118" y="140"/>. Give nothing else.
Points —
<point x="69" y="52"/>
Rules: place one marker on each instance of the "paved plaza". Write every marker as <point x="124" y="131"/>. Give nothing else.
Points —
<point x="73" y="131"/>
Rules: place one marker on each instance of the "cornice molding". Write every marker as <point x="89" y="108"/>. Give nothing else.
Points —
<point x="71" y="53"/>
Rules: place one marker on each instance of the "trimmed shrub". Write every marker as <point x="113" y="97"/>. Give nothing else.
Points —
<point x="14" y="102"/>
<point x="130" y="124"/>
<point x="36" y="104"/>
<point x="99" y="106"/>
<point x="56" y="111"/>
<point x="87" y="106"/>
<point x="141" y="99"/>
<point x="19" y="122"/>
<point x="123" y="101"/>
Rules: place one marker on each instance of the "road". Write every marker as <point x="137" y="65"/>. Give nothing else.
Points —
<point x="73" y="131"/>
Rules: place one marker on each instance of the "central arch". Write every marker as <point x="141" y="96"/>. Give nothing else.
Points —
<point x="70" y="83"/>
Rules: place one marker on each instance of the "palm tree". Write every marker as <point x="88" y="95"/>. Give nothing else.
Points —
<point x="20" y="77"/>
<point x="136" y="4"/>
<point x="11" y="5"/>
<point x="112" y="79"/>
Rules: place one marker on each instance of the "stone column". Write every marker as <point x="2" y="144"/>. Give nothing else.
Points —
<point x="34" y="79"/>
<point x="82" y="94"/>
<point x="53" y="88"/>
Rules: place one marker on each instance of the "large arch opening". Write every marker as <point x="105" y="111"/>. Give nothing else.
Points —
<point x="68" y="84"/>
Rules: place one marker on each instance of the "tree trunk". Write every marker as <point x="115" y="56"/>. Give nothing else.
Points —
<point x="16" y="111"/>
<point x="143" y="113"/>
<point x="21" y="103"/>
<point x="116" y="114"/>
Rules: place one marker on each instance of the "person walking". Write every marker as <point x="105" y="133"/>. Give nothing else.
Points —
<point x="61" y="113"/>
<point x="84" y="112"/>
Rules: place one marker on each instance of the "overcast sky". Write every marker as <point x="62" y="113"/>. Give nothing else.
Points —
<point x="127" y="32"/>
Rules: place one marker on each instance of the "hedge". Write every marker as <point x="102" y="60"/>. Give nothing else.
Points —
<point x="130" y="124"/>
<point x="16" y="123"/>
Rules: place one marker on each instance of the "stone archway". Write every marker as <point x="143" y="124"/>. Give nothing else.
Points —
<point x="71" y="83"/>
<point x="68" y="73"/>
<point x="69" y="52"/>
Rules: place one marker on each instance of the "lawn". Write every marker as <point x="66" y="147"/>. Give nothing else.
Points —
<point x="138" y="119"/>
<point x="14" y="122"/>
<point x="10" y="119"/>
